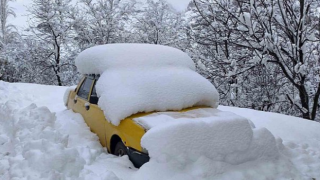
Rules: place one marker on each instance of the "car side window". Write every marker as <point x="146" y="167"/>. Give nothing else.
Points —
<point x="85" y="88"/>
<point x="94" y="97"/>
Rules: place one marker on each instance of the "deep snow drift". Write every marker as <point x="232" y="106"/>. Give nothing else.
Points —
<point x="145" y="78"/>
<point x="53" y="143"/>
<point x="210" y="143"/>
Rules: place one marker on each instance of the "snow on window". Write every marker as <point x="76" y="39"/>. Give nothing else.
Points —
<point x="145" y="78"/>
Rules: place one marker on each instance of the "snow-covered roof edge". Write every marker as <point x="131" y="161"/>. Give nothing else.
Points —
<point x="97" y="59"/>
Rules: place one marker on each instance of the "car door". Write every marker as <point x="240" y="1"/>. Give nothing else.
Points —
<point x="81" y="100"/>
<point x="96" y="116"/>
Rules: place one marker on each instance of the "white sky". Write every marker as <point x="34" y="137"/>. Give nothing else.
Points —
<point x="20" y="8"/>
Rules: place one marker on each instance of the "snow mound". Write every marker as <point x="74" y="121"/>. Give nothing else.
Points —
<point x="32" y="149"/>
<point x="217" y="143"/>
<point x="223" y="136"/>
<point x="9" y="92"/>
<point x="97" y="59"/>
<point x="66" y="94"/>
<point x="124" y="92"/>
<point x="160" y="118"/>
<point x="36" y="144"/>
<point x="300" y="129"/>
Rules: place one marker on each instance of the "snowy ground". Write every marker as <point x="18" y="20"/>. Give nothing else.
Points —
<point x="40" y="139"/>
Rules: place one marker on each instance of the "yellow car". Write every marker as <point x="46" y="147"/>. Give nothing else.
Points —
<point x="119" y="140"/>
<point x="137" y="78"/>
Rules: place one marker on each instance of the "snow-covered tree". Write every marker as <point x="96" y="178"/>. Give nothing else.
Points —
<point x="280" y="36"/>
<point x="51" y="26"/>
<point x="7" y="30"/>
<point x="159" y="23"/>
<point x="102" y="22"/>
<point x="8" y="36"/>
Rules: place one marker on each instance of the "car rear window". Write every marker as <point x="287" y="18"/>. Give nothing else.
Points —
<point x="85" y="88"/>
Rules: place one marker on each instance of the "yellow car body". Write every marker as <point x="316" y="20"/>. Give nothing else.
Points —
<point x="128" y="131"/>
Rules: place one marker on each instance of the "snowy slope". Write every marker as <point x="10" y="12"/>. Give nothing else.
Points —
<point x="40" y="139"/>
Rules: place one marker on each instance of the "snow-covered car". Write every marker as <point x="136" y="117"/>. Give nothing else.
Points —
<point x="123" y="83"/>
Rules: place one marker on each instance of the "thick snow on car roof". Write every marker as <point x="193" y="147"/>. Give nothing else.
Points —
<point x="97" y="59"/>
<point x="145" y="78"/>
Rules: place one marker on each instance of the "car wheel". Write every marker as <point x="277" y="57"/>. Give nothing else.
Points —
<point x="120" y="149"/>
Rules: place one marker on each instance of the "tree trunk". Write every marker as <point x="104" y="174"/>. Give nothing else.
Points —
<point x="59" y="80"/>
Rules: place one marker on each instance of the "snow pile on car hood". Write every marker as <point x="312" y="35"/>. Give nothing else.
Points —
<point x="223" y="136"/>
<point x="161" y="118"/>
<point x="145" y="78"/>
<point x="216" y="143"/>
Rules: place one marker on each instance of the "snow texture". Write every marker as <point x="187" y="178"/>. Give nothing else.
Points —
<point x="66" y="94"/>
<point x="207" y="134"/>
<point x="36" y="143"/>
<point x="124" y="92"/>
<point x="145" y="78"/>
<point x="98" y="59"/>
<point x="161" y="118"/>
<point x="212" y="144"/>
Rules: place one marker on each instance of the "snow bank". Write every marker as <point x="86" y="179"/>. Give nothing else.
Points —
<point x="8" y="92"/>
<point x="300" y="137"/>
<point x="291" y="129"/>
<point x="30" y="135"/>
<point x="66" y="94"/>
<point x="98" y="59"/>
<point x="145" y="78"/>
<point x="223" y="136"/>
<point x="41" y="95"/>
<point x="37" y="144"/>
<point x="209" y="147"/>
<point x="34" y="145"/>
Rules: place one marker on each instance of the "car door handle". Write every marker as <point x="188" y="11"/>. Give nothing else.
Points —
<point x="75" y="100"/>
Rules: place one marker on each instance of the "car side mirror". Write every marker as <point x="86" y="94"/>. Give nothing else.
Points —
<point x="94" y="99"/>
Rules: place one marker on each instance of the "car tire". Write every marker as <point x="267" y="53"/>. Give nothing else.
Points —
<point x="120" y="149"/>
